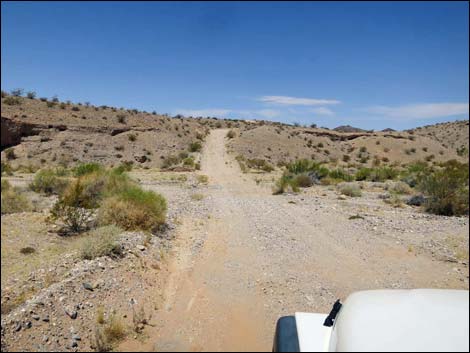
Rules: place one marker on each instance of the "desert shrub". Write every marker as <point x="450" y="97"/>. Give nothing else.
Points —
<point x="10" y="154"/>
<point x="414" y="173"/>
<point x="304" y="166"/>
<point x="47" y="182"/>
<point x="28" y="250"/>
<point x="75" y="109"/>
<point x="398" y="187"/>
<point x="134" y="209"/>
<point x="363" y="149"/>
<point x="3" y="94"/>
<point x="260" y="164"/>
<point x="101" y="242"/>
<point x="12" y="100"/>
<point x="5" y="185"/>
<point x="285" y="183"/>
<point x="447" y="189"/>
<point x="346" y="158"/>
<point x="231" y="134"/>
<point x="72" y="208"/>
<point x="382" y="174"/>
<point x="303" y="181"/>
<point x="101" y="184"/>
<point x="125" y="166"/>
<point x="195" y="146"/>
<point x="109" y="334"/>
<point x="18" y="92"/>
<point x="351" y="190"/>
<point x="132" y="137"/>
<point x="50" y="104"/>
<point x="6" y="168"/>
<point x="202" y="179"/>
<point x="87" y="168"/>
<point x="31" y="94"/>
<point x="394" y="200"/>
<point x="12" y="200"/>
<point x="197" y="197"/>
<point x="170" y="160"/>
<point x="340" y="174"/>
<point x="121" y="118"/>
<point x="188" y="162"/>
<point x="363" y="174"/>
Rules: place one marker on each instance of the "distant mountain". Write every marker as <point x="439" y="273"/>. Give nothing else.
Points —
<point x="348" y="128"/>
<point x="389" y="130"/>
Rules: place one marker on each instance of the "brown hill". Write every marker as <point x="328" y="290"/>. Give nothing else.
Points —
<point x="41" y="133"/>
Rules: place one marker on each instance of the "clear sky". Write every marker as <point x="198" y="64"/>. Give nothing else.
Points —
<point x="371" y="65"/>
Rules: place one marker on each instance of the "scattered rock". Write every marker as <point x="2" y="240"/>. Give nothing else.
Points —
<point x="87" y="286"/>
<point x="71" y="313"/>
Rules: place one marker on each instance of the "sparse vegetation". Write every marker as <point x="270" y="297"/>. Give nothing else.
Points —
<point x="351" y="190"/>
<point x="10" y="100"/>
<point x="448" y="189"/>
<point x="101" y="242"/>
<point x="10" y="154"/>
<point x="132" y="208"/>
<point x="109" y="333"/>
<point x="49" y="182"/>
<point x="231" y="134"/>
<point x="12" y="200"/>
<point x="195" y="146"/>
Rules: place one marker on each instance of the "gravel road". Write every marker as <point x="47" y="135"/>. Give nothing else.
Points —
<point x="251" y="257"/>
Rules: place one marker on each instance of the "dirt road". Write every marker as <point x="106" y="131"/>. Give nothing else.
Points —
<point x="261" y="256"/>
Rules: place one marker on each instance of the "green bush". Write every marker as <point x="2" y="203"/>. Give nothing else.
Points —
<point x="188" y="162"/>
<point x="303" y="181"/>
<point x="351" y="190"/>
<point x="363" y="174"/>
<point x="134" y="209"/>
<point x="195" y="146"/>
<point x="414" y="173"/>
<point x="12" y="200"/>
<point x="399" y="187"/>
<point x="47" y="182"/>
<point x="12" y="100"/>
<point x="6" y="168"/>
<point x="170" y="161"/>
<point x="259" y="164"/>
<point x="72" y="209"/>
<point x="447" y="189"/>
<point x="101" y="242"/>
<point x="382" y="174"/>
<point x="286" y="182"/>
<point x="87" y="168"/>
<point x="340" y="174"/>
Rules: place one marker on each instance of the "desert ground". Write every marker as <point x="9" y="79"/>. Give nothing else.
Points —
<point x="231" y="259"/>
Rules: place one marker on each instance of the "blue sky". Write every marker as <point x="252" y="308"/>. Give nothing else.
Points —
<point x="372" y="65"/>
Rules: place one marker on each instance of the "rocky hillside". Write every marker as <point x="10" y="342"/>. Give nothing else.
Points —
<point x="38" y="132"/>
<point x="280" y="144"/>
<point x="453" y="135"/>
<point x="41" y="132"/>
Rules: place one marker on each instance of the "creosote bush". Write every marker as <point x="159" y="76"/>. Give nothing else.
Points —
<point x="12" y="200"/>
<point x="350" y="190"/>
<point x="134" y="209"/>
<point x="447" y="189"/>
<point x="101" y="242"/>
<point x="49" y="181"/>
<point x="195" y="146"/>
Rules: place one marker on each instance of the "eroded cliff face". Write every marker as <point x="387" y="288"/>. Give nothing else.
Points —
<point x="13" y="131"/>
